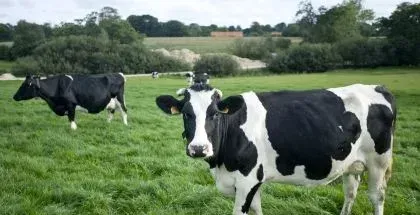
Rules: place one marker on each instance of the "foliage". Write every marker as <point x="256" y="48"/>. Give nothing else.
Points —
<point x="6" y="32"/>
<point x="217" y="65"/>
<point x="366" y="52"/>
<point x="27" y="36"/>
<point x="259" y="48"/>
<point x="5" y="52"/>
<point x="84" y="54"/>
<point x="306" y="58"/>
<point x="292" y="30"/>
<point x="403" y="30"/>
<point x="119" y="30"/>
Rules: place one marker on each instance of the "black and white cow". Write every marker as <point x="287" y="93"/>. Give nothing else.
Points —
<point x="155" y="75"/>
<point x="63" y="93"/>
<point x="194" y="78"/>
<point x="296" y="137"/>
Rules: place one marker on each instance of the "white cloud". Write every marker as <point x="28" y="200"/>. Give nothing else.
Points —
<point x="203" y="12"/>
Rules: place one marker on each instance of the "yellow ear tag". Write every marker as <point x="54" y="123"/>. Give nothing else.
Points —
<point x="174" y="110"/>
<point x="226" y="110"/>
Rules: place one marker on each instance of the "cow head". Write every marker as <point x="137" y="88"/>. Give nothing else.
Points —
<point x="203" y="112"/>
<point x="28" y="89"/>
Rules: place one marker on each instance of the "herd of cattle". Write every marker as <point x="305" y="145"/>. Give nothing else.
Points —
<point x="296" y="137"/>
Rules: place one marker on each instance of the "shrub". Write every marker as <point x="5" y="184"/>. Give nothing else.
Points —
<point x="258" y="48"/>
<point x="366" y="52"/>
<point x="25" y="66"/>
<point x="306" y="58"/>
<point x="217" y="65"/>
<point x="5" y="52"/>
<point x="90" y="55"/>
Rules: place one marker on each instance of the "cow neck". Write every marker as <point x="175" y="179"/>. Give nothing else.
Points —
<point x="42" y="93"/>
<point x="226" y="136"/>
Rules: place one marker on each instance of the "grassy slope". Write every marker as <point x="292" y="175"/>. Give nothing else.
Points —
<point x="197" y="44"/>
<point x="45" y="168"/>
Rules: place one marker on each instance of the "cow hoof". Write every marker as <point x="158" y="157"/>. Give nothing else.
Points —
<point x="73" y="126"/>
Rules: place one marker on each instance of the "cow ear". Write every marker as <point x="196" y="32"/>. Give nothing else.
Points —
<point x="169" y="104"/>
<point x="230" y="105"/>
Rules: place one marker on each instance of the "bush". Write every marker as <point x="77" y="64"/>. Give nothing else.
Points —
<point x="5" y="52"/>
<point x="366" y="53"/>
<point x="89" y="55"/>
<point x="306" y="58"/>
<point x="260" y="48"/>
<point x="217" y="65"/>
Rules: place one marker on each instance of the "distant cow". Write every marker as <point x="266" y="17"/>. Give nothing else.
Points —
<point x="64" y="92"/>
<point x="194" y="78"/>
<point x="296" y="137"/>
<point x="155" y="75"/>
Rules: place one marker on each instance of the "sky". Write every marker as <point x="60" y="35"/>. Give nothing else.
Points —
<point x="203" y="12"/>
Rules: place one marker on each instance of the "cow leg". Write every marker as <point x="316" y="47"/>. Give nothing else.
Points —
<point x="350" y="184"/>
<point x="256" y="203"/>
<point x="71" y="115"/>
<point x="122" y="107"/>
<point x="110" y="114"/>
<point x="244" y="198"/>
<point x="378" y="176"/>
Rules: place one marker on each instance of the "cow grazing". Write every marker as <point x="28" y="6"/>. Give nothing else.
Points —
<point x="63" y="93"/>
<point x="296" y="137"/>
<point x="155" y="75"/>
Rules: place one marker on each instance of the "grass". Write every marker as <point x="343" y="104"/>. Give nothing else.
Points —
<point x="101" y="168"/>
<point x="5" y="65"/>
<point x="199" y="45"/>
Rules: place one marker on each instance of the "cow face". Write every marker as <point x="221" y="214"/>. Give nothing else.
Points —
<point x="202" y="115"/>
<point x="28" y="89"/>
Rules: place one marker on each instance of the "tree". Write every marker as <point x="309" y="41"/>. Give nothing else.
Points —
<point x="292" y="30"/>
<point x="108" y="13"/>
<point x="174" y="28"/>
<point x="280" y="27"/>
<point x="26" y="38"/>
<point x="194" y="30"/>
<point x="145" y="24"/>
<point x="231" y="28"/>
<point x="256" y="29"/>
<point x="403" y="30"/>
<point x="6" y="32"/>
<point x="238" y="28"/>
<point x="119" y="30"/>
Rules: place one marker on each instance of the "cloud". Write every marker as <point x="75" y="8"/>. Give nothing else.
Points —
<point x="203" y="12"/>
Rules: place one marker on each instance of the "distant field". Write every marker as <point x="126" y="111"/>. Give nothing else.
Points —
<point x="197" y="44"/>
<point x="101" y="168"/>
<point x="5" y="65"/>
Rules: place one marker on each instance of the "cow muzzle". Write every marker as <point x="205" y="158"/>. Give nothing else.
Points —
<point x="199" y="151"/>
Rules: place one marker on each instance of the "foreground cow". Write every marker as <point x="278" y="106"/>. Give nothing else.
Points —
<point x="64" y="92"/>
<point x="303" y="138"/>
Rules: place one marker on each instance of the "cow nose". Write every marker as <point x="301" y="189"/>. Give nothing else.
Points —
<point x="198" y="151"/>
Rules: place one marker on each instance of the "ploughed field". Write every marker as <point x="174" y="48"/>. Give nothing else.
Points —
<point x="101" y="168"/>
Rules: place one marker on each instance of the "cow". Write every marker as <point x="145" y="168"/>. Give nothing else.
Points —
<point x="155" y="75"/>
<point x="196" y="78"/>
<point x="65" y="93"/>
<point x="297" y="137"/>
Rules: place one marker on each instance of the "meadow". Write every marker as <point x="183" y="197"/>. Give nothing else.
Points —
<point x="199" y="45"/>
<point x="101" y="168"/>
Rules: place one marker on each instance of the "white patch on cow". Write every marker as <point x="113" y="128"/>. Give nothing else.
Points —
<point x="69" y="76"/>
<point x="125" y="80"/>
<point x="110" y="116"/>
<point x="73" y="125"/>
<point x="112" y="104"/>
<point x="80" y="108"/>
<point x="340" y="127"/>
<point x="200" y="101"/>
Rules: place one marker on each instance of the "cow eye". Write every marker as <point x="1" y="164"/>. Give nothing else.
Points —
<point x="215" y="115"/>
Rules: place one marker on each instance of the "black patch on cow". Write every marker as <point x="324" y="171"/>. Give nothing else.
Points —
<point x="260" y="173"/>
<point x="249" y="197"/>
<point x="379" y="125"/>
<point x="303" y="128"/>
<point x="390" y="98"/>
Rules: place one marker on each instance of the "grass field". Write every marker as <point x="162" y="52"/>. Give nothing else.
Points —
<point x="101" y="168"/>
<point x="197" y="44"/>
